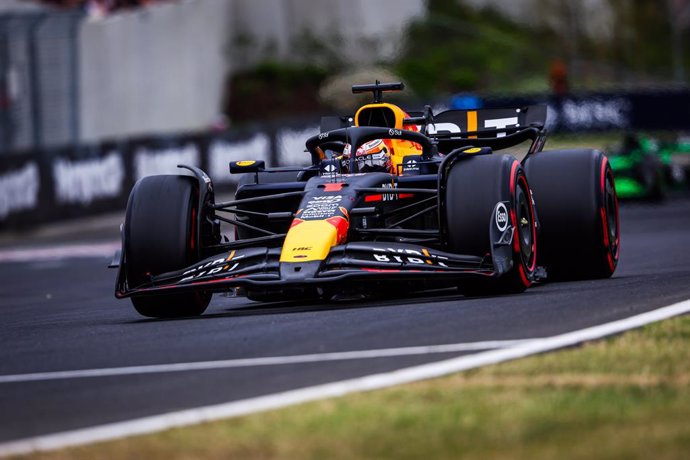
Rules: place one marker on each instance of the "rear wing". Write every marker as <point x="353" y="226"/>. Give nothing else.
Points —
<point x="486" y="122"/>
<point x="495" y="128"/>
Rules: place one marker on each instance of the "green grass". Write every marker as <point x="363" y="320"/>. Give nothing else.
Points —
<point x="627" y="397"/>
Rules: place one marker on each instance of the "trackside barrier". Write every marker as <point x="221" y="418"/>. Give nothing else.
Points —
<point x="649" y="110"/>
<point x="81" y="180"/>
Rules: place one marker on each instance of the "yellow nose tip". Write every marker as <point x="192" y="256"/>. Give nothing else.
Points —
<point x="309" y="240"/>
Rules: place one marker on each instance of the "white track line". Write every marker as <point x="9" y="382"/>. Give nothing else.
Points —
<point x="69" y="251"/>
<point x="264" y="361"/>
<point x="262" y="403"/>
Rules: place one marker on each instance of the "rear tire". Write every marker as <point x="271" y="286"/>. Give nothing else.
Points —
<point x="578" y="213"/>
<point x="160" y="236"/>
<point x="473" y="187"/>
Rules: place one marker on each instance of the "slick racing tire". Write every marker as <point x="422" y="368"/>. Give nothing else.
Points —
<point x="578" y="213"/>
<point x="159" y="236"/>
<point x="474" y="186"/>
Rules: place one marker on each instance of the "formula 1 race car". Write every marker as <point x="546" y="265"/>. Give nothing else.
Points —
<point x="392" y="202"/>
<point x="648" y="168"/>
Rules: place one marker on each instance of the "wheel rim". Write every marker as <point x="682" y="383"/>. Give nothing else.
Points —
<point x="611" y="212"/>
<point x="525" y="226"/>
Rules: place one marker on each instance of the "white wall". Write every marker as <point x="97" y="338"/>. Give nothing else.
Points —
<point x="154" y="70"/>
<point x="161" y="69"/>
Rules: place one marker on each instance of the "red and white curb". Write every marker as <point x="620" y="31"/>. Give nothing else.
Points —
<point x="187" y="417"/>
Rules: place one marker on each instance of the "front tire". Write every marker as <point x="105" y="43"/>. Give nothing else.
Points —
<point x="474" y="186"/>
<point x="160" y="236"/>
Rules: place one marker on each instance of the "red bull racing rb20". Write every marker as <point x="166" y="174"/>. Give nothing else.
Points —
<point x="393" y="201"/>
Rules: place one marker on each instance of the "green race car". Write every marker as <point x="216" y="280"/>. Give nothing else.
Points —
<point x="648" y="168"/>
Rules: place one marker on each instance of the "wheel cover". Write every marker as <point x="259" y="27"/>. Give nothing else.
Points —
<point x="524" y="220"/>
<point x="611" y="217"/>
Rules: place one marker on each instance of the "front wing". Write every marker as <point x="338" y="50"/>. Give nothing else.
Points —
<point x="260" y="268"/>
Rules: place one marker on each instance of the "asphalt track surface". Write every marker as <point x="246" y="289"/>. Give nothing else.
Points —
<point x="59" y="314"/>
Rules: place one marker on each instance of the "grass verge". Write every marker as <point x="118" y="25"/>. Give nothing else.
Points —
<point x="626" y="397"/>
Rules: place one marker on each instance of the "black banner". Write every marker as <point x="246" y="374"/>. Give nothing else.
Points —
<point x="76" y="181"/>
<point x="651" y="110"/>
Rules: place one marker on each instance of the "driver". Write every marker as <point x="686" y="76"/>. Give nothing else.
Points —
<point x="373" y="156"/>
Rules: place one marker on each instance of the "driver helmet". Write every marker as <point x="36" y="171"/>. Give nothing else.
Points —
<point x="373" y="156"/>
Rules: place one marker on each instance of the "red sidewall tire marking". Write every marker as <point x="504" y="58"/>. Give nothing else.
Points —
<point x="522" y="270"/>
<point x="611" y="258"/>
<point x="528" y="194"/>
